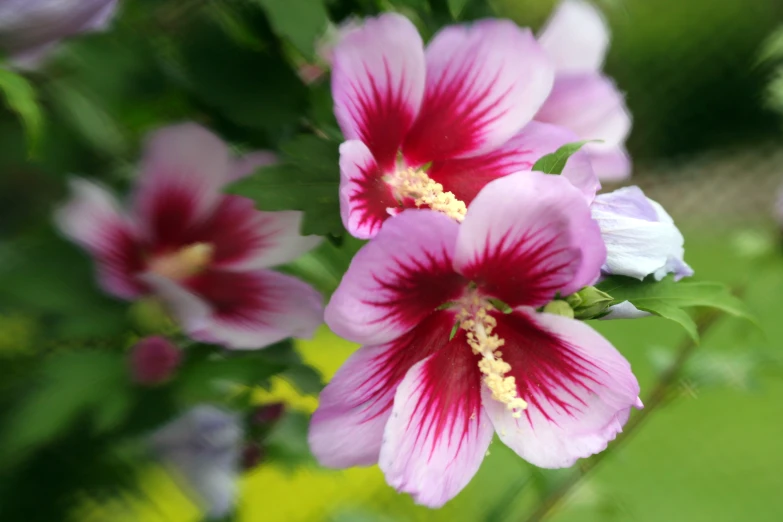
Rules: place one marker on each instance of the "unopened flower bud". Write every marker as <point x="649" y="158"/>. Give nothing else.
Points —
<point x="153" y="360"/>
<point x="589" y="302"/>
<point x="558" y="307"/>
<point x="268" y="413"/>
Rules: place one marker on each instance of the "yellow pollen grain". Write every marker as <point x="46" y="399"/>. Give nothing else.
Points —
<point x="417" y="185"/>
<point x="183" y="263"/>
<point x="479" y="326"/>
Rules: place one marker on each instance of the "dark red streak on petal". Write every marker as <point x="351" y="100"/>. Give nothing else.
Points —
<point x="235" y="296"/>
<point x="542" y="364"/>
<point x="449" y="395"/>
<point x="372" y="199"/>
<point x="172" y="217"/>
<point x="235" y="230"/>
<point x="451" y="118"/>
<point x="416" y="287"/>
<point x="387" y="371"/>
<point x="467" y="176"/>
<point x="526" y="271"/>
<point x="382" y="116"/>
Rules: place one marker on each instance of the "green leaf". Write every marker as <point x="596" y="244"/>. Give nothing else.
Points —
<point x="254" y="88"/>
<point x="287" y="442"/>
<point x="555" y="162"/>
<point x="456" y="7"/>
<point x="21" y="98"/>
<point x="667" y="298"/>
<point x="300" y="22"/>
<point x="307" y="179"/>
<point x="71" y="385"/>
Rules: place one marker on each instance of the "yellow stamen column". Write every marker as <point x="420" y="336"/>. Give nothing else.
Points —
<point x="479" y="326"/>
<point x="417" y="185"/>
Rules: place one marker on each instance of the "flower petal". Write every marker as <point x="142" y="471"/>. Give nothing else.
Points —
<point x="640" y="237"/>
<point x="397" y="280"/>
<point x="247" y="239"/>
<point x="579" y="389"/>
<point x="250" y="162"/>
<point x="610" y="163"/>
<point x="591" y="106"/>
<point x="485" y="81"/>
<point x="347" y="428"/>
<point x="465" y="177"/>
<point x="243" y="310"/>
<point x="184" y="168"/>
<point x="378" y="83"/>
<point x="364" y="197"/>
<point x="527" y="237"/>
<point x="438" y="432"/>
<point x="625" y="310"/>
<point x="94" y="220"/>
<point x="576" y="37"/>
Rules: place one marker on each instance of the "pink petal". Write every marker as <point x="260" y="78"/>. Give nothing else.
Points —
<point x="245" y="238"/>
<point x="250" y="162"/>
<point x="485" y="81"/>
<point x="611" y="164"/>
<point x="465" y="177"/>
<point x="527" y="237"/>
<point x="94" y="220"/>
<point x="438" y="432"/>
<point x="243" y="310"/>
<point x="590" y="105"/>
<point x="378" y="83"/>
<point x="397" y="279"/>
<point x="347" y="428"/>
<point x="183" y="170"/>
<point x="576" y="37"/>
<point x="364" y="197"/>
<point x="579" y="389"/>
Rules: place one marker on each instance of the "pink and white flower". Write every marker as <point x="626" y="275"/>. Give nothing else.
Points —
<point x="424" y="400"/>
<point x="583" y="99"/>
<point x="207" y="255"/>
<point x="430" y="127"/>
<point x="29" y="29"/>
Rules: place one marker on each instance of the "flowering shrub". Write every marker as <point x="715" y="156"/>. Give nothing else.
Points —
<point x="441" y="193"/>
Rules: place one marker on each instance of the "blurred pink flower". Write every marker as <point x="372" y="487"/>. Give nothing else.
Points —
<point x="423" y="404"/>
<point x="430" y="127"/>
<point x="583" y="99"/>
<point x="31" y="28"/>
<point x="204" y="253"/>
<point x="153" y="360"/>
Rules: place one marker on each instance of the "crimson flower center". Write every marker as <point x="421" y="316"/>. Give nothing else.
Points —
<point x="474" y="317"/>
<point x="418" y="186"/>
<point x="184" y="262"/>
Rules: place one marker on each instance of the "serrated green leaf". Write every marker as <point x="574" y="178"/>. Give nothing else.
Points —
<point x="555" y="162"/>
<point x="300" y="22"/>
<point x="667" y="298"/>
<point x="307" y="179"/>
<point x="20" y="96"/>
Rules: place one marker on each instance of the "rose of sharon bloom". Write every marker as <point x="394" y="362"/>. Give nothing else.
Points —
<point x="583" y="99"/>
<point x="423" y="400"/>
<point x="30" y="28"/>
<point x="641" y="239"/>
<point x="428" y="128"/>
<point x="204" y="253"/>
<point x="203" y="449"/>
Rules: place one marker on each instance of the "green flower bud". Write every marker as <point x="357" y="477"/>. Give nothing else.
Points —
<point x="558" y="307"/>
<point x="589" y="302"/>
